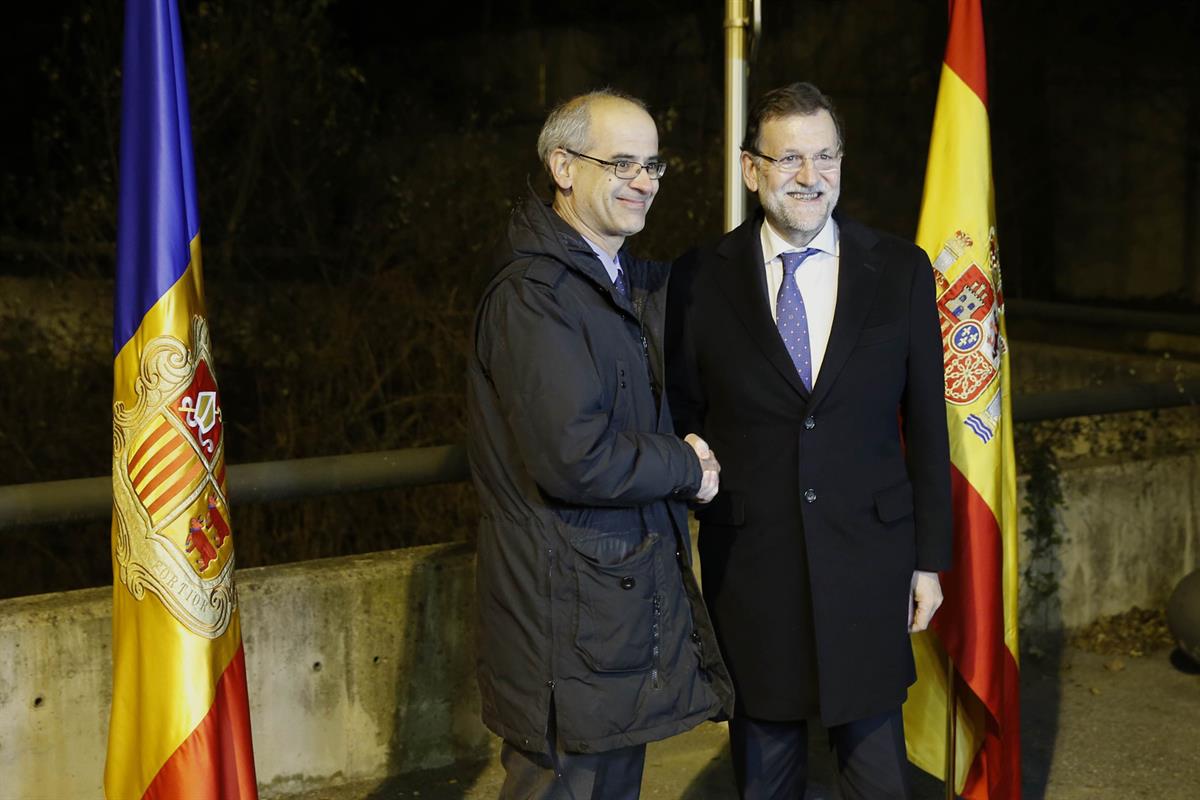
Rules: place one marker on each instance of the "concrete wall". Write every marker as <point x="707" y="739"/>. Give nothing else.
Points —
<point x="55" y="690"/>
<point x="358" y="667"/>
<point x="1131" y="530"/>
<point x="361" y="667"/>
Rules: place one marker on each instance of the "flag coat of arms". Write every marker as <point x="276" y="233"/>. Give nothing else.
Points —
<point x="976" y="627"/>
<point x="180" y="722"/>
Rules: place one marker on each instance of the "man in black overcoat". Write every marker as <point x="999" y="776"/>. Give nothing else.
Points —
<point x="804" y="348"/>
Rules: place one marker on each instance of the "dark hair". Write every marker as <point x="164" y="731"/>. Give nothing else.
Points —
<point x="800" y="99"/>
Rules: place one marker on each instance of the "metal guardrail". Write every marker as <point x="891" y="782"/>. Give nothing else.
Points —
<point x="1114" y="318"/>
<point x="1106" y="400"/>
<point x="91" y="498"/>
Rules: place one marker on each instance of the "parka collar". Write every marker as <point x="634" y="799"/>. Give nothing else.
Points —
<point x="536" y="230"/>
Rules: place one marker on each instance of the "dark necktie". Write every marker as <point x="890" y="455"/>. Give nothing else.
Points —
<point x="622" y="287"/>
<point x="791" y="318"/>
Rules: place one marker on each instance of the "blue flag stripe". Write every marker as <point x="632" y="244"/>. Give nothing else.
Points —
<point x="157" y="214"/>
<point x="979" y="428"/>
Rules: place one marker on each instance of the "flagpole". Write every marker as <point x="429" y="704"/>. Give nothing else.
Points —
<point x="951" y="725"/>
<point x="736" y="22"/>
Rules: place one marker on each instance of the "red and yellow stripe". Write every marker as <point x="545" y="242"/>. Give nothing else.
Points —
<point x="164" y="469"/>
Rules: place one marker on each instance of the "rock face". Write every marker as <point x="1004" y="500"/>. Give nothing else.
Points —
<point x="1183" y="615"/>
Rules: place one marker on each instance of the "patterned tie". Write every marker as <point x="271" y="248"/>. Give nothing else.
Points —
<point x="622" y="287"/>
<point x="790" y="317"/>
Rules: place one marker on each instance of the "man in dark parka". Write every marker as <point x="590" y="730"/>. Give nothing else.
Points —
<point x="593" y="639"/>
<point x="805" y="348"/>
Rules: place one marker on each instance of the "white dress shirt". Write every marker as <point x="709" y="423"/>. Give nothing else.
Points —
<point x="817" y="279"/>
<point x="611" y="263"/>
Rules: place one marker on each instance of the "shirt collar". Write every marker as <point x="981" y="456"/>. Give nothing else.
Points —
<point x="826" y="241"/>
<point x="611" y="264"/>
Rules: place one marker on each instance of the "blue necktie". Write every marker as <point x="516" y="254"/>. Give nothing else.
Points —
<point x="622" y="287"/>
<point x="791" y="318"/>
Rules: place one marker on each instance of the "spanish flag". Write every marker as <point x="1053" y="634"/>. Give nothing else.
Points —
<point x="977" y="624"/>
<point x="180" y="724"/>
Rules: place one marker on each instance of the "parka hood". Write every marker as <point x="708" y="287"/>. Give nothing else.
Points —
<point x="536" y="231"/>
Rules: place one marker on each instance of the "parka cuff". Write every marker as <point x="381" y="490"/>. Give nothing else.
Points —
<point x="694" y="473"/>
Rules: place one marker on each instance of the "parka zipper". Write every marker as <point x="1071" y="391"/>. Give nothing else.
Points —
<point x="639" y="310"/>
<point x="654" y="681"/>
<point x="654" y="389"/>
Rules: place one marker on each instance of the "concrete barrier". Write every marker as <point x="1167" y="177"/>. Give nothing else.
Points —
<point x="55" y="691"/>
<point x="1131" y="531"/>
<point x="358" y="668"/>
<point x="362" y="667"/>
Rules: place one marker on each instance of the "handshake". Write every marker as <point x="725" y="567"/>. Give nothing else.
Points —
<point x="708" y="462"/>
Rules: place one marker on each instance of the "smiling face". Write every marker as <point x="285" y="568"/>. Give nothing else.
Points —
<point x="797" y="205"/>
<point x="591" y="198"/>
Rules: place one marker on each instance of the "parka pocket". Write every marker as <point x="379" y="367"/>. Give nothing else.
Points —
<point x="617" y="577"/>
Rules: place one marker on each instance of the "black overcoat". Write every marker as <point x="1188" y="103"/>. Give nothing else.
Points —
<point x="830" y="499"/>
<point x="584" y="583"/>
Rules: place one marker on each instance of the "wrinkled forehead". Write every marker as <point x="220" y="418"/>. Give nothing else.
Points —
<point x="618" y="127"/>
<point x="799" y="132"/>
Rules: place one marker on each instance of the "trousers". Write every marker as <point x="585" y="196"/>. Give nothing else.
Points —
<point x="610" y="775"/>
<point x="770" y="759"/>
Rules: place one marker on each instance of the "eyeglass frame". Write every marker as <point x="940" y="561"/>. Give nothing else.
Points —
<point x="834" y="165"/>
<point x="661" y="165"/>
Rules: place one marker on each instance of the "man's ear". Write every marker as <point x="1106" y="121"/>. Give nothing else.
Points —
<point x="749" y="173"/>
<point x="560" y="169"/>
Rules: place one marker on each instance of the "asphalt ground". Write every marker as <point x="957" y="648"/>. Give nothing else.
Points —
<point x="1094" y="727"/>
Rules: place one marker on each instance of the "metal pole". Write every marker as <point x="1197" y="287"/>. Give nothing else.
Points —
<point x="1106" y="400"/>
<point x="736" y="21"/>
<point x="91" y="498"/>
<point x="951" y="726"/>
<point x="1118" y="318"/>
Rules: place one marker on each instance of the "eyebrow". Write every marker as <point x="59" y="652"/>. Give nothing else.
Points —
<point x="632" y="157"/>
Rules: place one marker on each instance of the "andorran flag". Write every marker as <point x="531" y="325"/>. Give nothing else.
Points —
<point x="975" y="630"/>
<point x="180" y="723"/>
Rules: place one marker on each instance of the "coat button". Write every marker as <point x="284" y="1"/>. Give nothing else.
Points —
<point x="695" y="636"/>
<point x="810" y="423"/>
<point x="549" y="684"/>
<point x="810" y="495"/>
<point x="628" y="582"/>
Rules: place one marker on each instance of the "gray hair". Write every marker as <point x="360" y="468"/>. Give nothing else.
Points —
<point x="568" y="125"/>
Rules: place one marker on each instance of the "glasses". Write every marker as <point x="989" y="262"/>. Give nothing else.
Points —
<point x="824" y="163"/>
<point x="625" y="169"/>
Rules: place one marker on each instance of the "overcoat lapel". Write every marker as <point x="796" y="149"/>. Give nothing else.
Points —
<point x="858" y="280"/>
<point x="745" y="283"/>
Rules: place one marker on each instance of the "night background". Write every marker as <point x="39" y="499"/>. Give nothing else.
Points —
<point x="357" y="160"/>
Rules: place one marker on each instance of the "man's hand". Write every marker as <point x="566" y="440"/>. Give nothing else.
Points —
<point x="924" y="600"/>
<point x="710" y="483"/>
